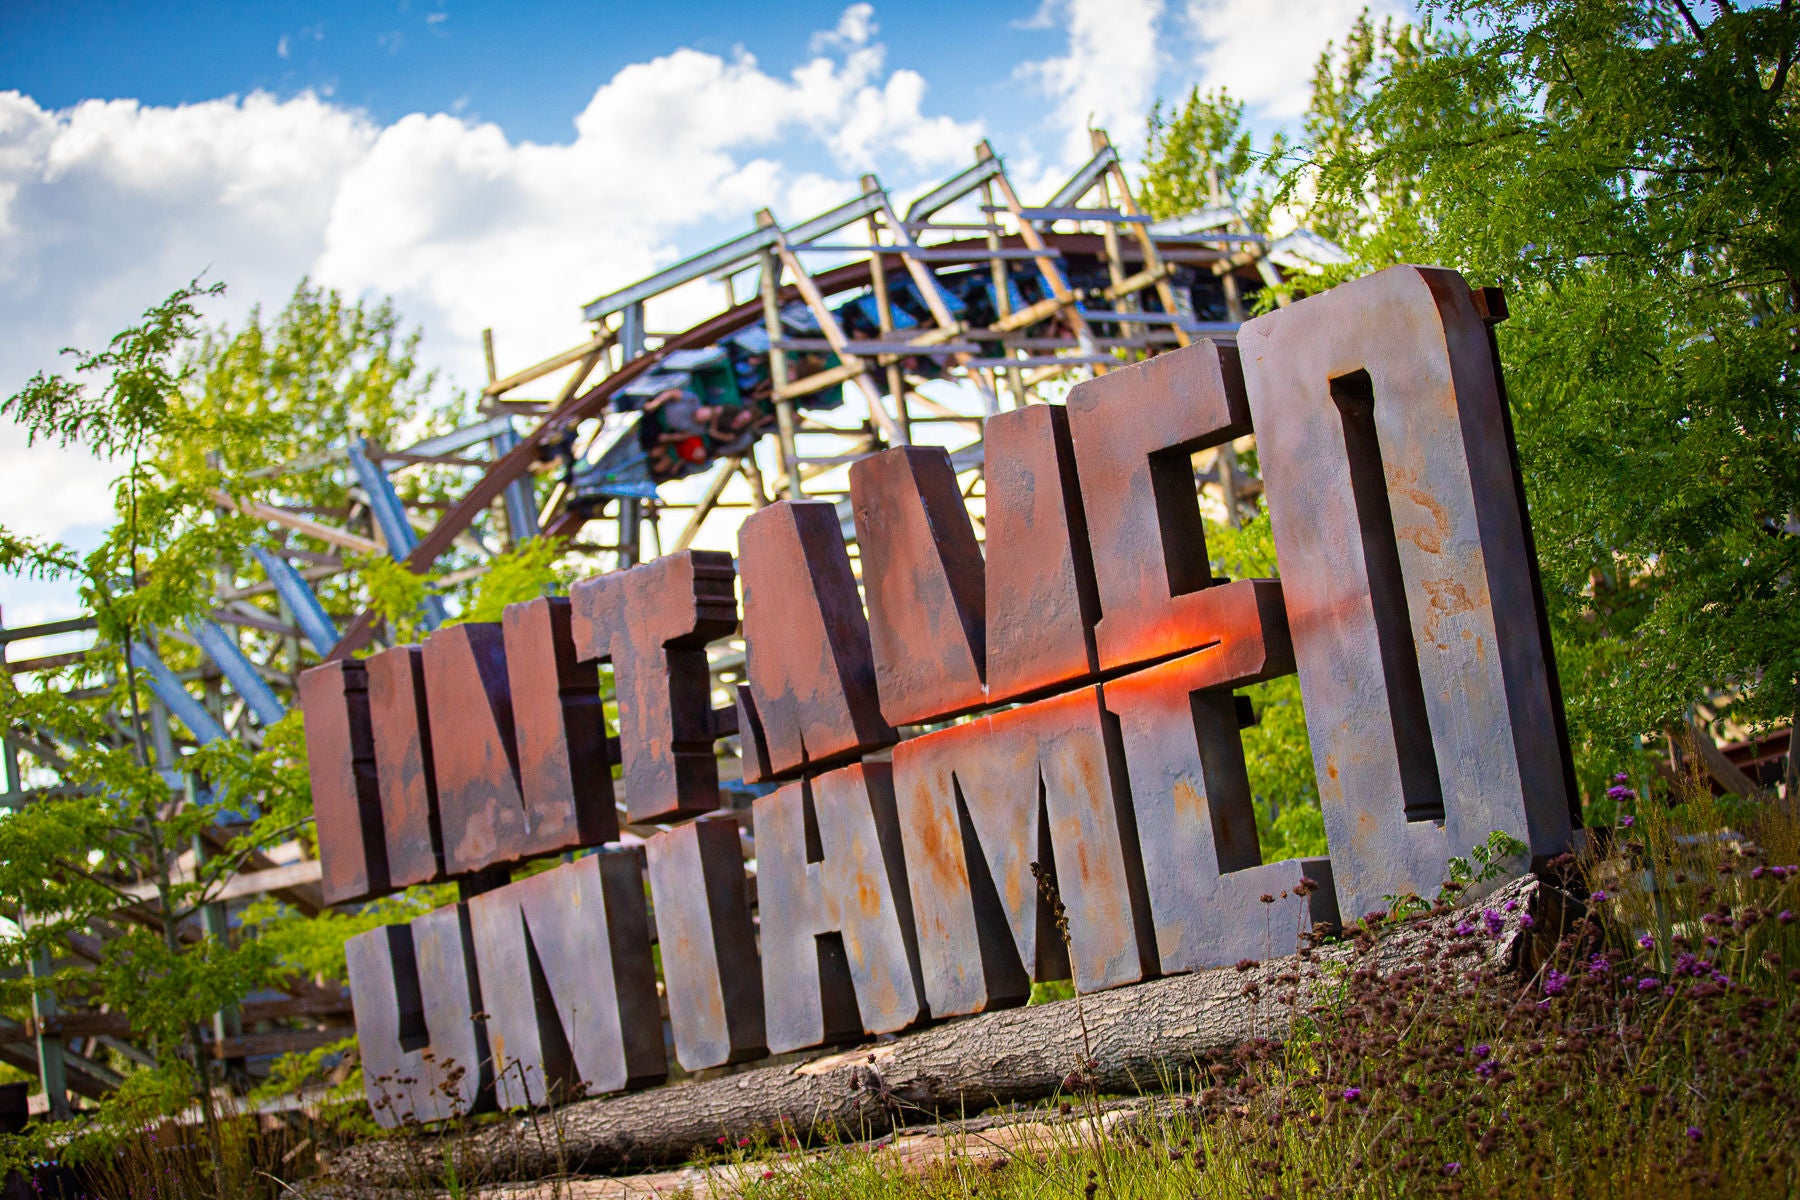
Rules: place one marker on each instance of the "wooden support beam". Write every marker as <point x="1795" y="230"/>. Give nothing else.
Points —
<point x="594" y="347"/>
<point x="297" y="523"/>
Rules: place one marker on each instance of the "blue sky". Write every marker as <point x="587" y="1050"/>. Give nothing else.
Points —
<point x="528" y="67"/>
<point x="498" y="165"/>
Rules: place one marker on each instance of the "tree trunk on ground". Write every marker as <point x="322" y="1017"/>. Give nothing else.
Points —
<point x="1146" y="1038"/>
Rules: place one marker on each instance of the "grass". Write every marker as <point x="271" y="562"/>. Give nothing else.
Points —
<point x="1651" y="1054"/>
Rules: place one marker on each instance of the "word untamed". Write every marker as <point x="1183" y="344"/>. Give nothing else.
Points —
<point x="1094" y="655"/>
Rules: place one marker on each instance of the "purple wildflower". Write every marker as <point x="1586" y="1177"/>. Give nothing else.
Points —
<point x="1599" y="896"/>
<point x="1486" y="1069"/>
<point x="1620" y="792"/>
<point x="1555" y="982"/>
<point x="1353" y="1093"/>
<point x="1627" y="821"/>
<point x="1693" y="1133"/>
<point x="1647" y="942"/>
<point x="1648" y="984"/>
<point x="1483" y="1050"/>
<point x="1785" y="915"/>
<point x="1526" y="920"/>
<point x="1464" y="928"/>
<point x="1599" y="964"/>
<point x="1452" y="1168"/>
<point x="1494" y="921"/>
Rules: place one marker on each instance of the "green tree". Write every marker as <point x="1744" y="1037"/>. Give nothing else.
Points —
<point x="1627" y="171"/>
<point x="124" y="801"/>
<point x="1201" y="156"/>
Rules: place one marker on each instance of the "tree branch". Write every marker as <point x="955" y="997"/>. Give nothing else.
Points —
<point x="1687" y="14"/>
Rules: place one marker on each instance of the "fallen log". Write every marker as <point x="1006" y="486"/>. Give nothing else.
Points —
<point x="1149" y="1037"/>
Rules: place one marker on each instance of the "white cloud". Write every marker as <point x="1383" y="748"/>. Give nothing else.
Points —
<point x="1107" y="79"/>
<point x="107" y="207"/>
<point x="1264" y="53"/>
<point x="855" y="27"/>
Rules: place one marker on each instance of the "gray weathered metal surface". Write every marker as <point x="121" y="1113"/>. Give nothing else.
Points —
<point x="710" y="969"/>
<point x="1041" y="600"/>
<point x="1408" y="581"/>
<point x="979" y="803"/>
<point x="340" y="760"/>
<point x="839" y="956"/>
<point x="808" y="663"/>
<point x="1135" y="431"/>
<point x="424" y="1053"/>
<point x="560" y="721"/>
<point x="568" y="982"/>
<point x="1213" y="901"/>
<point x="653" y="623"/>
<point x="473" y="748"/>
<point x="922" y="577"/>
<point x="409" y="803"/>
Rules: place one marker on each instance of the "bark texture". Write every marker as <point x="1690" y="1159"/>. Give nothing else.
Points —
<point x="1145" y="1038"/>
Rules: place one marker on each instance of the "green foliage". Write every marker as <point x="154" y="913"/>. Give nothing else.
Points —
<point x="1277" y="750"/>
<point x="1202" y="156"/>
<point x="1501" y="855"/>
<point x="528" y="570"/>
<point x="188" y="416"/>
<point x="1627" y="172"/>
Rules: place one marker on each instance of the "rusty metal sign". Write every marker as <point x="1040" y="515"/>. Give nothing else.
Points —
<point x="559" y="724"/>
<point x="980" y="804"/>
<point x="810" y="699"/>
<point x="653" y="623"/>
<point x="1400" y="531"/>
<point x="710" y="966"/>
<point x="403" y="764"/>
<point x="841" y="961"/>
<point x="1101" y="829"/>
<point x="1213" y="901"/>
<point x="567" y="981"/>
<point x="340" y="759"/>
<point x="1135" y="433"/>
<point x="418" y="1006"/>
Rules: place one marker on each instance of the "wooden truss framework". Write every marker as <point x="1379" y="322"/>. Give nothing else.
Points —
<point x="263" y="631"/>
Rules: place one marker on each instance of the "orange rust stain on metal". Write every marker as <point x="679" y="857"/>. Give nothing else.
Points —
<point x="1190" y="805"/>
<point x="1331" y="767"/>
<point x="1448" y="597"/>
<point x="868" y="895"/>
<point x="1429" y="538"/>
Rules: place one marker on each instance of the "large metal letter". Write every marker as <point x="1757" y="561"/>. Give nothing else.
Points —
<point x="1041" y="600"/>
<point x="474" y="749"/>
<point x="561" y="723"/>
<point x="923" y="576"/>
<point x="1135" y="431"/>
<point x="653" y="622"/>
<point x="979" y="804"/>
<point x="811" y="698"/>
<point x="425" y="1055"/>
<point x="709" y="962"/>
<point x="340" y="758"/>
<point x="568" y="981"/>
<point x="409" y="801"/>
<point x="1212" y="898"/>
<point x="1385" y="454"/>
<point x="839" y="957"/>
